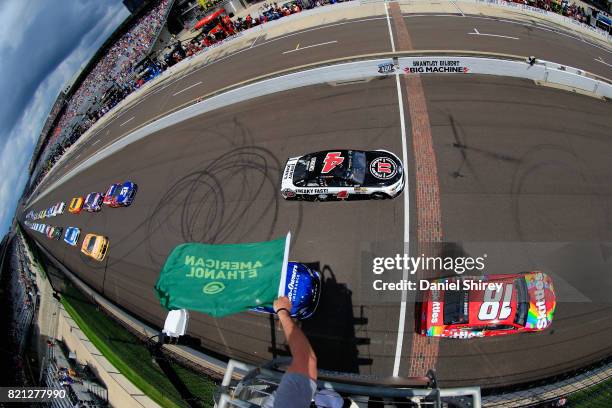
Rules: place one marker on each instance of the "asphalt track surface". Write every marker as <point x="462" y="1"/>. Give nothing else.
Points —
<point x="524" y="177"/>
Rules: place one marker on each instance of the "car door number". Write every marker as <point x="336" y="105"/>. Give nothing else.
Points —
<point x="493" y="306"/>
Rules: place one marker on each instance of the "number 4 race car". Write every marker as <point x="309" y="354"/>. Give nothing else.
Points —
<point x="514" y="304"/>
<point x="343" y="174"/>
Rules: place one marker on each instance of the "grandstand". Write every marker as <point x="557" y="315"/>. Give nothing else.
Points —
<point x="78" y="106"/>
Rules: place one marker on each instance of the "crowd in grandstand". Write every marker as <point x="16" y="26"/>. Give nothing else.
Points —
<point x="92" y="100"/>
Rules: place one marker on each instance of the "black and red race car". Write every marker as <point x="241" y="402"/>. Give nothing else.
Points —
<point x="343" y="174"/>
<point x="465" y="307"/>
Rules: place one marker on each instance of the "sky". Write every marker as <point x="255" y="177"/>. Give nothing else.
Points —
<point x="42" y="45"/>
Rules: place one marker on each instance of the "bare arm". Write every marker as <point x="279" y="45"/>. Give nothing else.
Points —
<point x="304" y="359"/>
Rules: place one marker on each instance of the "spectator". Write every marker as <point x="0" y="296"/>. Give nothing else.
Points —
<point x="298" y="384"/>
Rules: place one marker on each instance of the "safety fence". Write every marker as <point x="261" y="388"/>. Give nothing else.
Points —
<point x="259" y="383"/>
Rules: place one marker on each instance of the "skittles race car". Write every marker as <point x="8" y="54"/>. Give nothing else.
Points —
<point x="510" y="304"/>
<point x="343" y="174"/>
<point x="303" y="288"/>
<point x="93" y="202"/>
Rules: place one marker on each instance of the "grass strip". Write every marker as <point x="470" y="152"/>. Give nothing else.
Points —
<point x="130" y="356"/>
<point x="597" y="396"/>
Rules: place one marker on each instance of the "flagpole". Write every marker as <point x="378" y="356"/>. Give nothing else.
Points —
<point x="283" y="277"/>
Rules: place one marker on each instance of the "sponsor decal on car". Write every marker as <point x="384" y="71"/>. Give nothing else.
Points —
<point x="435" y="312"/>
<point x="288" y="174"/>
<point x="311" y="165"/>
<point x="342" y="194"/>
<point x="331" y="161"/>
<point x="313" y="190"/>
<point x="383" y="168"/>
<point x="288" y="193"/>
<point x="465" y="334"/>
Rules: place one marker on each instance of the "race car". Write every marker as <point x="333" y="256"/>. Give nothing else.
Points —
<point x="303" y="288"/>
<point x="76" y="205"/>
<point x="60" y="208"/>
<point x="50" y="232"/>
<point x="71" y="237"/>
<point x="93" y="202"/>
<point x="95" y="246"/>
<point x="343" y="174"/>
<point x="111" y="193"/>
<point x="56" y="233"/>
<point x="494" y="305"/>
<point x="126" y="195"/>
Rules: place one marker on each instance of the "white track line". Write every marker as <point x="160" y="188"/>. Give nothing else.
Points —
<point x="603" y="62"/>
<point x="457" y="7"/>
<point x="476" y="32"/>
<point x="402" y="316"/>
<point x="256" y="38"/>
<point x="96" y="142"/>
<point x="310" y="46"/>
<point x="389" y="25"/>
<point x="127" y="121"/>
<point x="186" y="89"/>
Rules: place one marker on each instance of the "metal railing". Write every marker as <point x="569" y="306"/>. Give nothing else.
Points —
<point x="259" y="383"/>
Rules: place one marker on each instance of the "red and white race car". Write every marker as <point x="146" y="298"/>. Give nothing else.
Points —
<point x="464" y="307"/>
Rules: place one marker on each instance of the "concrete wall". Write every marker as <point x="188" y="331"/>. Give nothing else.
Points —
<point x="121" y="392"/>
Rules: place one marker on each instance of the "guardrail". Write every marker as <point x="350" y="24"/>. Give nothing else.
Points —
<point x="260" y="382"/>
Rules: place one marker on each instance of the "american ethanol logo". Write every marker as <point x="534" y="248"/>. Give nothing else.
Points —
<point x="213" y="288"/>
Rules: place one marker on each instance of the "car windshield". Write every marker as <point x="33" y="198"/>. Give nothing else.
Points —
<point x="455" y="307"/>
<point x="522" y="301"/>
<point x="357" y="168"/>
<point x="90" y="244"/>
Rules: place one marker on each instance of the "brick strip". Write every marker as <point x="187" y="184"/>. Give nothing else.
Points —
<point x="424" y="353"/>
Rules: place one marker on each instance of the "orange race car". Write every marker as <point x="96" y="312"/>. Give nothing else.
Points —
<point x="95" y="246"/>
<point x="76" y="205"/>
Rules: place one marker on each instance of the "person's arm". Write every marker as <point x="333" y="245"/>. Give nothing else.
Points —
<point x="304" y="359"/>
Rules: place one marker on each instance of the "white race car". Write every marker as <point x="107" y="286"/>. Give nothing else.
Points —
<point x="343" y="174"/>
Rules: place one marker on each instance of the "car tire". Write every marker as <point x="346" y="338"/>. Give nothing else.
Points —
<point x="322" y="197"/>
<point x="379" y="196"/>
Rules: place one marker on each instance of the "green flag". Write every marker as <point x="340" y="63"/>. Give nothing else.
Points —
<point x="223" y="279"/>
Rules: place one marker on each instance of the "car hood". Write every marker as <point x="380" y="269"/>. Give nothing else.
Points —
<point x="542" y="300"/>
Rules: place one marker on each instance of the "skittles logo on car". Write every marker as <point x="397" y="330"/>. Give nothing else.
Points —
<point x="540" y="312"/>
<point x="383" y="168"/>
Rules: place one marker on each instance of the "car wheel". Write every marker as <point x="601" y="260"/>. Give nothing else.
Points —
<point x="378" y="196"/>
<point x="322" y="197"/>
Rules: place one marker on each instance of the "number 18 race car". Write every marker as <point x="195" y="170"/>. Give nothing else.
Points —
<point x="493" y="305"/>
<point x="343" y="174"/>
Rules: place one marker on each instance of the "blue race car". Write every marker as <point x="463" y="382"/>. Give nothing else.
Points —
<point x="71" y="236"/>
<point x="303" y="288"/>
<point x="125" y="196"/>
<point x="93" y="202"/>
